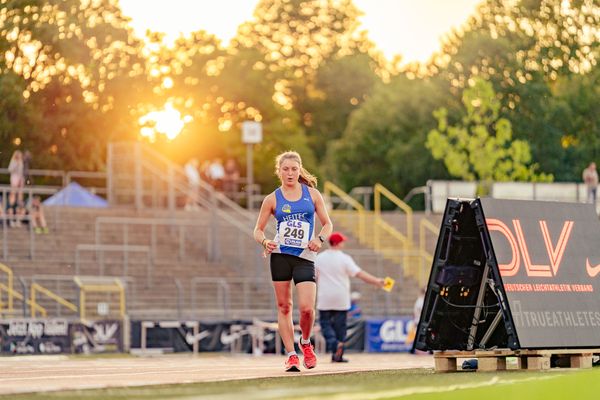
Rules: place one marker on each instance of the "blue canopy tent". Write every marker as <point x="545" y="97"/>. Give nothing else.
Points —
<point x="73" y="195"/>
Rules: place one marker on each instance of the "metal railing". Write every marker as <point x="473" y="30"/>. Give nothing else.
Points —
<point x="13" y="294"/>
<point x="35" y="288"/>
<point x="358" y="210"/>
<point x="427" y="258"/>
<point x="28" y="193"/>
<point x="21" y="297"/>
<point x="219" y="292"/>
<point x="63" y="178"/>
<point x="71" y="292"/>
<point x="88" y="285"/>
<point x="439" y="191"/>
<point x="404" y="239"/>
<point x="153" y="223"/>
<point x="213" y="200"/>
<point x="100" y="249"/>
<point x="180" y="298"/>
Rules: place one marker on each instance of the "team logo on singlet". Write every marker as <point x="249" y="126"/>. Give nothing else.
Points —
<point x="286" y="208"/>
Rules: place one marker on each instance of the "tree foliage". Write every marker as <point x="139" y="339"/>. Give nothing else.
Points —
<point x="323" y="65"/>
<point x="526" y="49"/>
<point x="79" y="72"/>
<point x="384" y="139"/>
<point x="480" y="147"/>
<point x="73" y="77"/>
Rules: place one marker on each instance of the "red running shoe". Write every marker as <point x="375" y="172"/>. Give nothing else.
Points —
<point x="310" y="358"/>
<point x="292" y="364"/>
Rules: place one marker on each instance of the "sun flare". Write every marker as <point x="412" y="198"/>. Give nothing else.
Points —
<point x="167" y="121"/>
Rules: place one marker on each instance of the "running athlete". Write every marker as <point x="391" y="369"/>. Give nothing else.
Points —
<point x="293" y="250"/>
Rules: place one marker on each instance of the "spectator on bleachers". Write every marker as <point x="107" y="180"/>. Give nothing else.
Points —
<point x="37" y="219"/>
<point x="193" y="177"/>
<point x="16" y="215"/>
<point x="26" y="165"/>
<point x="217" y="173"/>
<point x="590" y="178"/>
<point x="17" y="181"/>
<point x="205" y="171"/>
<point x="231" y="179"/>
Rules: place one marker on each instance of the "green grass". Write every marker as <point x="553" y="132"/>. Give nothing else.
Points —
<point x="397" y="384"/>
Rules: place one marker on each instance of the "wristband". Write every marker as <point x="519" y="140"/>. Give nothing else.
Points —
<point x="263" y="242"/>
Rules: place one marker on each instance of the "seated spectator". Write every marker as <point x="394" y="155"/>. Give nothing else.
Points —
<point x="36" y="215"/>
<point x="15" y="214"/>
<point x="231" y="179"/>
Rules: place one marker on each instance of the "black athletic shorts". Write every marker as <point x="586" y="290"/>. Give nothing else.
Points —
<point x="285" y="267"/>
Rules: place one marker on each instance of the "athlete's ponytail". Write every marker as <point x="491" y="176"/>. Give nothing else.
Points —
<point x="305" y="177"/>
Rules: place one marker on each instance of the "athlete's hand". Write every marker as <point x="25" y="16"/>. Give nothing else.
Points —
<point x="270" y="245"/>
<point x="315" y="245"/>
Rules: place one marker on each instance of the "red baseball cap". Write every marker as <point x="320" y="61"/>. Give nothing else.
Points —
<point x="336" y="238"/>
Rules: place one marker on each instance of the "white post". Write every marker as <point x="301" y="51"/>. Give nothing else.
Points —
<point x="250" y="177"/>
<point x="251" y="134"/>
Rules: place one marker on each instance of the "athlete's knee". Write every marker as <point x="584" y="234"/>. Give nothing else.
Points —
<point x="284" y="307"/>
<point x="306" y="311"/>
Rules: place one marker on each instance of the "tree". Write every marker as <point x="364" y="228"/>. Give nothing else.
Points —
<point x="304" y="43"/>
<point x="341" y="86"/>
<point x="296" y="36"/>
<point x="16" y="116"/>
<point x="526" y="49"/>
<point x="220" y="89"/>
<point x="384" y="139"/>
<point x="80" y="71"/>
<point x="480" y="147"/>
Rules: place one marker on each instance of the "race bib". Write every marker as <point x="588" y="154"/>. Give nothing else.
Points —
<point x="294" y="233"/>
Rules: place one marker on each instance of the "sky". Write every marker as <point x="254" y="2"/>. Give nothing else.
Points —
<point x="410" y="28"/>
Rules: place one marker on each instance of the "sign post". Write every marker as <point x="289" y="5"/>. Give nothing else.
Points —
<point x="251" y="134"/>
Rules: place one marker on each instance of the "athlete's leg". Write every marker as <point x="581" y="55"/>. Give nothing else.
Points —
<point x="307" y="292"/>
<point x="283" y="295"/>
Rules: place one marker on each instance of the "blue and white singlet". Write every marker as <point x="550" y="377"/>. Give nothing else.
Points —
<point x="295" y="224"/>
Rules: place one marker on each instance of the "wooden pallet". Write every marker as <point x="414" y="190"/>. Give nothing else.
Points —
<point x="495" y="360"/>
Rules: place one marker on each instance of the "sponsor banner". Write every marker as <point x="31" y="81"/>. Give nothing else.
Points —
<point x="234" y="335"/>
<point x="178" y="336"/>
<point x="548" y="257"/>
<point x="223" y="336"/>
<point x="97" y="337"/>
<point x="35" y="336"/>
<point x="389" y="335"/>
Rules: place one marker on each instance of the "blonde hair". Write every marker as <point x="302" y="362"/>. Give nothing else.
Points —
<point x="305" y="177"/>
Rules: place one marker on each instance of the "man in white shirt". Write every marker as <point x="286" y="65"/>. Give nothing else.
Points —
<point x="334" y="269"/>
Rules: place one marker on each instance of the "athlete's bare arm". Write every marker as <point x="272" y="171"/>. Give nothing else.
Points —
<point x="266" y="210"/>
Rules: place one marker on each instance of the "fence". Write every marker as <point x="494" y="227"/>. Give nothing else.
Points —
<point x="556" y="191"/>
